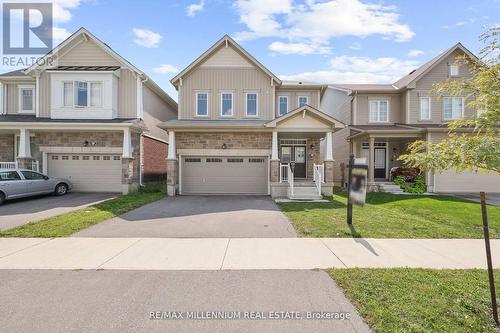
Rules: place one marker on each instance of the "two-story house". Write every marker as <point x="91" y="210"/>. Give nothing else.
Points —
<point x="85" y="113"/>
<point x="384" y="118"/>
<point x="242" y="130"/>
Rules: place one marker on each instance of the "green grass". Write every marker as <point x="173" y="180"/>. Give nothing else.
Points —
<point x="67" y="224"/>
<point x="393" y="216"/>
<point x="420" y="300"/>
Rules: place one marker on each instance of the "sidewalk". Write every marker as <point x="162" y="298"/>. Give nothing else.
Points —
<point x="241" y="253"/>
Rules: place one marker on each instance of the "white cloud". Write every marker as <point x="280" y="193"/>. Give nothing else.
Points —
<point x="415" y="53"/>
<point x="193" y="8"/>
<point x="346" y="69"/>
<point x="61" y="10"/>
<point x="146" y="38"/>
<point x="59" y="34"/>
<point x="298" y="48"/>
<point x="317" y="22"/>
<point x="166" y="69"/>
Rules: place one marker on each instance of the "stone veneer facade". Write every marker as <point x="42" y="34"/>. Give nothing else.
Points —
<point x="7" y="148"/>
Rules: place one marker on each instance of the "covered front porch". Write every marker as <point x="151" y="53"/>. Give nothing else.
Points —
<point x="380" y="150"/>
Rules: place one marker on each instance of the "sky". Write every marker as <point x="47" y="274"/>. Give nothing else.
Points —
<point x="328" y="41"/>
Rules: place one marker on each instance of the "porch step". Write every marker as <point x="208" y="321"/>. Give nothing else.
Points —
<point x="305" y="193"/>
<point x="390" y="188"/>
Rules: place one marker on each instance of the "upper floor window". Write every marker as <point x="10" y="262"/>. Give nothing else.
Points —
<point x="226" y="104"/>
<point x="202" y="104"/>
<point x="26" y="99"/>
<point x="379" y="111"/>
<point x="283" y="105"/>
<point x="82" y="94"/>
<point x="453" y="108"/>
<point x="303" y="100"/>
<point x="453" y="69"/>
<point x="251" y="106"/>
<point x="425" y="108"/>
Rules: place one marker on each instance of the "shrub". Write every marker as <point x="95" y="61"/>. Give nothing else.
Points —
<point x="411" y="173"/>
<point x="152" y="187"/>
<point x="416" y="186"/>
<point x="399" y="180"/>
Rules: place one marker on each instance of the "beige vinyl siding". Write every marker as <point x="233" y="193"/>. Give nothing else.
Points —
<point x="362" y="116"/>
<point x="340" y="156"/>
<point x="226" y="57"/>
<point x="86" y="53"/>
<point x="127" y="94"/>
<point x="44" y="95"/>
<point x="337" y="104"/>
<point x="12" y="101"/>
<point x="156" y="110"/>
<point x="423" y="86"/>
<point x="236" y="80"/>
<point x="293" y="97"/>
<point x="403" y="107"/>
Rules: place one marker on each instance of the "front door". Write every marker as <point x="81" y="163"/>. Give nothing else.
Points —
<point x="380" y="166"/>
<point x="296" y="156"/>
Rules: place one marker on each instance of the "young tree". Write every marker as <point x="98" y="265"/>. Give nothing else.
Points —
<point x="463" y="149"/>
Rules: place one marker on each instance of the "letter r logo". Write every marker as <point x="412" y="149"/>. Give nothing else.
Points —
<point x="27" y="28"/>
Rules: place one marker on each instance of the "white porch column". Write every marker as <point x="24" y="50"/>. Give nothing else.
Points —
<point x="171" y="146"/>
<point x="127" y="143"/>
<point x="24" y="144"/>
<point x="274" y="153"/>
<point x="371" y="163"/>
<point x="37" y="95"/>
<point x="329" y="147"/>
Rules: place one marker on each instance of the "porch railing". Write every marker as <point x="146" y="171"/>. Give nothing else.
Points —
<point x="283" y="172"/>
<point x="319" y="176"/>
<point x="8" y="165"/>
<point x="290" y="180"/>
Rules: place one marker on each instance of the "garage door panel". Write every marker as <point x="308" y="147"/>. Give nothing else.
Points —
<point x="466" y="181"/>
<point x="94" y="173"/>
<point x="245" y="175"/>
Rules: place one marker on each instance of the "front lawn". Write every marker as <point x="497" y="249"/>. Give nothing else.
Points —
<point x="420" y="300"/>
<point x="388" y="215"/>
<point x="67" y="224"/>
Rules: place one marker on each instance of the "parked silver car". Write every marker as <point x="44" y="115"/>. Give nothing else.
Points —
<point x="18" y="183"/>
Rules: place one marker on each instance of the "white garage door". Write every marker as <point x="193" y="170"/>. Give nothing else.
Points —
<point x="224" y="175"/>
<point x="466" y="181"/>
<point x="87" y="173"/>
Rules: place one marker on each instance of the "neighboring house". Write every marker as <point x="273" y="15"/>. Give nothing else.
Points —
<point x="242" y="130"/>
<point x="91" y="117"/>
<point x="384" y="118"/>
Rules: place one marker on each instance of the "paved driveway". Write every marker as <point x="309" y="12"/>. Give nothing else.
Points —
<point x="14" y="213"/>
<point x="199" y="216"/>
<point x="121" y="301"/>
<point x="491" y="198"/>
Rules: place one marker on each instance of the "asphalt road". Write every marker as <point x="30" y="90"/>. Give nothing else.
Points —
<point x="122" y="301"/>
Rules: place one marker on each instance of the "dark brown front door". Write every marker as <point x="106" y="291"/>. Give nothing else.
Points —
<point x="380" y="165"/>
<point x="296" y="156"/>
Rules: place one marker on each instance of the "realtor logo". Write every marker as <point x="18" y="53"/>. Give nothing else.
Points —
<point x="27" y="28"/>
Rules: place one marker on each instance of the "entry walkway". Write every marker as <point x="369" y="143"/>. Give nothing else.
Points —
<point x="241" y="253"/>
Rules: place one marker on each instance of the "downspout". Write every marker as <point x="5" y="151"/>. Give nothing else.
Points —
<point x="141" y="139"/>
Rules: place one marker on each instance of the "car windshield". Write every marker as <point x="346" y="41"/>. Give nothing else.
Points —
<point x="9" y="175"/>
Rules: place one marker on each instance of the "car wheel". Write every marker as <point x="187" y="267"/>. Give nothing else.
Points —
<point x="2" y="198"/>
<point x="61" y="189"/>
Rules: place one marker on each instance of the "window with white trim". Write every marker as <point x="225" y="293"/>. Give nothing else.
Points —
<point x="453" y="69"/>
<point x="379" y="111"/>
<point x="26" y="99"/>
<point x="82" y="94"/>
<point x="226" y="104"/>
<point x="282" y="105"/>
<point x="453" y="108"/>
<point x="303" y="100"/>
<point x="425" y="108"/>
<point x="251" y="104"/>
<point x="202" y="104"/>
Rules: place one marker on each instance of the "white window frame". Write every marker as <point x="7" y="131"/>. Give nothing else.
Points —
<point x="256" y="104"/>
<point x="279" y="104"/>
<point x="89" y="93"/>
<point x="222" y="93"/>
<point x="452" y="98"/>
<point x="450" y="72"/>
<point x="20" y="89"/>
<point x="208" y="101"/>
<point x="420" y="107"/>
<point x="302" y="96"/>
<point x="378" y="100"/>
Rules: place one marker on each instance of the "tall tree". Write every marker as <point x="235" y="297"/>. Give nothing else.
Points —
<point x="474" y="143"/>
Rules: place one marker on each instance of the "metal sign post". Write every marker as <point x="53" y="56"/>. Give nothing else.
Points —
<point x="358" y="174"/>
<point x="349" y="204"/>
<point x="488" y="257"/>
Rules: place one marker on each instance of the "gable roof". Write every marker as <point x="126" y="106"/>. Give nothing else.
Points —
<point x="224" y="40"/>
<point x="326" y="117"/>
<point x="425" y="68"/>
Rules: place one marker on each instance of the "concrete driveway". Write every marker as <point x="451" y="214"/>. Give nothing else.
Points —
<point x="14" y="213"/>
<point x="199" y="216"/>
<point x="491" y="198"/>
<point x="121" y="301"/>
